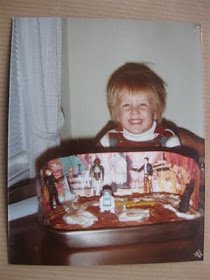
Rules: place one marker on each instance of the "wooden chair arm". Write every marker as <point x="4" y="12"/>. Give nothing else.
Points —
<point x="191" y="140"/>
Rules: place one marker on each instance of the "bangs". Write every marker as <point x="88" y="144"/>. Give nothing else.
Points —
<point x="131" y="83"/>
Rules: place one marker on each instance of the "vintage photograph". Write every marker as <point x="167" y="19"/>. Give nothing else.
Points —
<point x="106" y="158"/>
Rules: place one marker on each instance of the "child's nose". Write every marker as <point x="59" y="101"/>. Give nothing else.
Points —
<point x="135" y="110"/>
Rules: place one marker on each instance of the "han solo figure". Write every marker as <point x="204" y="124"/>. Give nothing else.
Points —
<point x="147" y="168"/>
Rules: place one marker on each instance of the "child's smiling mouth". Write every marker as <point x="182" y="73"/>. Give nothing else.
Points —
<point x="135" y="121"/>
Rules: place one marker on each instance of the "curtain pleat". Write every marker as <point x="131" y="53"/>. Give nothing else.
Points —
<point x="38" y="58"/>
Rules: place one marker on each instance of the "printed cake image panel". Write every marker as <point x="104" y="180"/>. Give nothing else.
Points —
<point x="106" y="190"/>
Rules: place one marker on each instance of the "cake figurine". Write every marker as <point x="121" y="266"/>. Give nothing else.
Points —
<point x="185" y="199"/>
<point x="107" y="202"/>
<point x="50" y="183"/>
<point x="97" y="173"/>
<point x="184" y="203"/>
<point x="147" y="168"/>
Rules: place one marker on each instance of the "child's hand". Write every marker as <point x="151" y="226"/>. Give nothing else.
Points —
<point x="134" y="169"/>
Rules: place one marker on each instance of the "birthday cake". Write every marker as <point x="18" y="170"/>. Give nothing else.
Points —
<point x="119" y="189"/>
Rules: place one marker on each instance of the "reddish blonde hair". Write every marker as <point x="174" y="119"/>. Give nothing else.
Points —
<point x="136" y="78"/>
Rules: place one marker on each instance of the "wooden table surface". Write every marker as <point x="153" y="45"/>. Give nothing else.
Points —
<point x="31" y="243"/>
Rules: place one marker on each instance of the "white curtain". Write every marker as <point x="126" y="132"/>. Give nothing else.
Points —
<point x="39" y="55"/>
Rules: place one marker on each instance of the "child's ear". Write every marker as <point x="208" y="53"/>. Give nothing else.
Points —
<point x="156" y="116"/>
<point x="116" y="116"/>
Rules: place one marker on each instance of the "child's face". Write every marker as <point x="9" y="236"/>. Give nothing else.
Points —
<point x="135" y="112"/>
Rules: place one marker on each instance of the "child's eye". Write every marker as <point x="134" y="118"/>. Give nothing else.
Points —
<point x="125" y="105"/>
<point x="143" y="104"/>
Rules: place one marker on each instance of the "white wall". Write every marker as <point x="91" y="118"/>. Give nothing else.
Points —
<point x="97" y="47"/>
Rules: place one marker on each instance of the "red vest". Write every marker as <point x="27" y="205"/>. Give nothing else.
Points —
<point x="117" y="139"/>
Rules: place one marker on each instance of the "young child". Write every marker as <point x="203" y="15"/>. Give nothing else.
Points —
<point x="136" y="98"/>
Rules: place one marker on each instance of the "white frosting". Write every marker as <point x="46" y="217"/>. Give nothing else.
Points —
<point x="82" y="218"/>
<point x="187" y="216"/>
<point x="134" y="215"/>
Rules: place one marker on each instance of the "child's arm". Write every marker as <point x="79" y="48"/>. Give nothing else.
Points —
<point x="173" y="140"/>
<point x="102" y="139"/>
<point x="103" y="142"/>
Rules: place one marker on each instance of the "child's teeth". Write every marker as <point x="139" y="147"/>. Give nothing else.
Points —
<point x="135" y="121"/>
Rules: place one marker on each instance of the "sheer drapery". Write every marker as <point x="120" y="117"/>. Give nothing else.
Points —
<point x="39" y="55"/>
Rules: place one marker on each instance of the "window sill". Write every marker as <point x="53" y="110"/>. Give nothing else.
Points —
<point x="23" y="208"/>
<point x="18" y="173"/>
